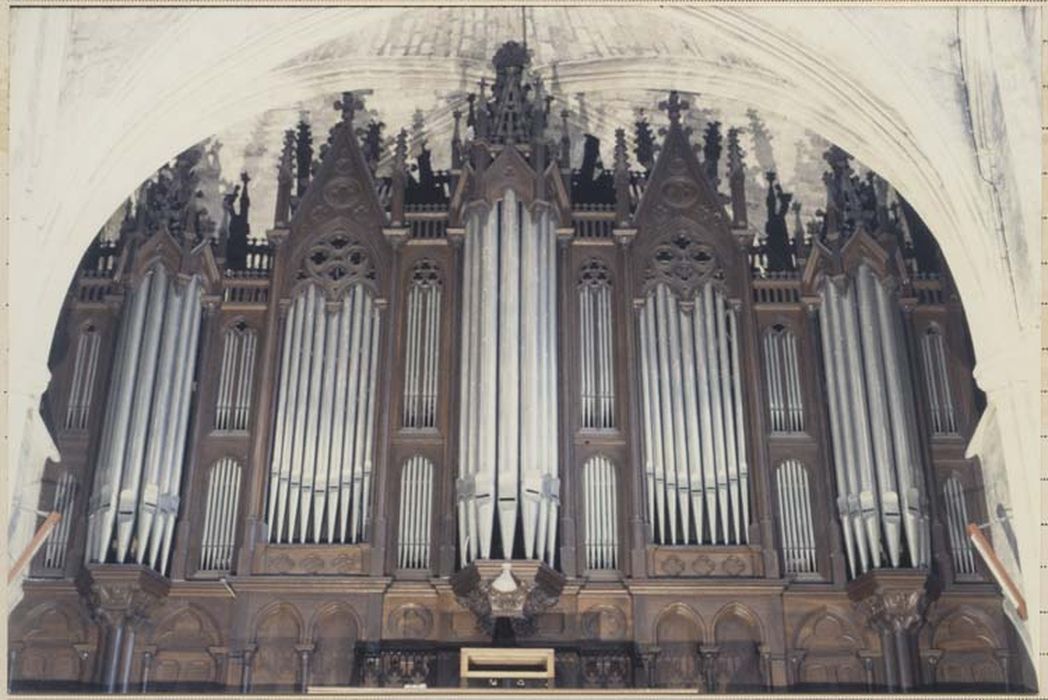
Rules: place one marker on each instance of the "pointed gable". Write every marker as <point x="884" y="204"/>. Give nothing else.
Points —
<point x="683" y="235"/>
<point x="341" y="202"/>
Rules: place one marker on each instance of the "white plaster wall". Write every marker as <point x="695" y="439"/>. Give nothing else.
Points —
<point x="941" y="101"/>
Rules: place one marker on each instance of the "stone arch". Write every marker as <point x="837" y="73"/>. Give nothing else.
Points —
<point x="49" y="638"/>
<point x="334" y="631"/>
<point x="967" y="647"/>
<point x="277" y="631"/>
<point x="739" y="635"/>
<point x="181" y="659"/>
<point x="831" y="645"/>
<point x="679" y="631"/>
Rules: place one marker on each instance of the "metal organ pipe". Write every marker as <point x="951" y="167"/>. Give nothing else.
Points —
<point x="65" y="498"/>
<point x="321" y="468"/>
<point x="111" y="459"/>
<point x="169" y="495"/>
<point x="223" y="497"/>
<point x="904" y="422"/>
<point x="742" y="489"/>
<point x="872" y="419"/>
<point x="957" y="520"/>
<point x="839" y="455"/>
<point x="694" y="432"/>
<point x="878" y="413"/>
<point x="151" y="382"/>
<point x="83" y="379"/>
<point x="161" y="422"/>
<point x="508" y="409"/>
<point x="416" y="490"/>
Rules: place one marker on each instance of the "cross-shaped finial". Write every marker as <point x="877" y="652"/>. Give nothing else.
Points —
<point x="348" y="104"/>
<point x="673" y="106"/>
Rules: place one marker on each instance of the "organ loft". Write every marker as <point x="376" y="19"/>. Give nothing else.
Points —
<point x="518" y="403"/>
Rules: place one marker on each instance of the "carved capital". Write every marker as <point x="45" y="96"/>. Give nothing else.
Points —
<point x="892" y="600"/>
<point x="121" y="594"/>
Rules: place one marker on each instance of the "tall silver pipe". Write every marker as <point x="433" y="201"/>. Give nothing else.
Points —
<point x="702" y="360"/>
<point x="691" y="419"/>
<point x="729" y="417"/>
<point x="740" y="424"/>
<point x="174" y="307"/>
<point x="113" y="469"/>
<point x="680" y="464"/>
<point x="828" y="331"/>
<point x="879" y="424"/>
<point x="185" y="392"/>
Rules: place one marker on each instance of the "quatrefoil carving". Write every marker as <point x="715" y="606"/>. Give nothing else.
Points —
<point x="336" y="262"/>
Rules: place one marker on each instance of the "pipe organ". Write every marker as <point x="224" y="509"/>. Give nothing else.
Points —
<point x="321" y="470"/>
<point x="795" y="517"/>
<point x="423" y="356"/>
<point x="881" y="499"/>
<point x="508" y="461"/>
<point x="84" y="369"/>
<point x="957" y="523"/>
<point x="694" y="436"/>
<point x="782" y="380"/>
<point x="600" y="489"/>
<point x="55" y="549"/>
<point x="138" y="477"/>
<point x="596" y="366"/>
<point x="523" y="401"/>
<point x="937" y="384"/>
<point x="235" y="378"/>
<point x="220" y="517"/>
<point x="416" y="500"/>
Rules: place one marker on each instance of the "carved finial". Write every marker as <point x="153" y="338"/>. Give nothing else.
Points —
<point x="621" y="155"/>
<point x="674" y="106"/>
<point x="735" y="152"/>
<point x="348" y="104"/>
<point x="400" y="154"/>
<point x="565" y="140"/>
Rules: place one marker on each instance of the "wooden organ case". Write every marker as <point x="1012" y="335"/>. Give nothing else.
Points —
<point x="584" y="410"/>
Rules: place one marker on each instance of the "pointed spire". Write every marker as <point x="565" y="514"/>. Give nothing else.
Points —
<point x="372" y="143"/>
<point x="456" y="142"/>
<point x="711" y="152"/>
<point x="284" y="181"/>
<point x="644" y="140"/>
<point x="400" y="177"/>
<point x="674" y="106"/>
<point x="565" y="141"/>
<point x="736" y="179"/>
<point x="622" y="178"/>
<point x="510" y="110"/>
<point x="303" y="153"/>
